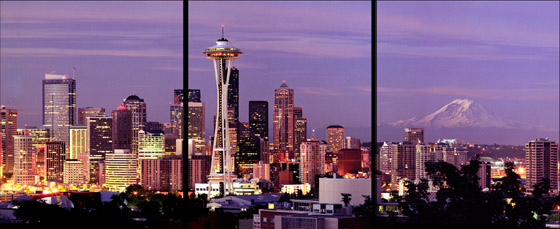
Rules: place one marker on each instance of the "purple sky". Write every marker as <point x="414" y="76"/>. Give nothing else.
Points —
<point x="119" y="48"/>
<point x="504" y="55"/>
<point x="321" y="49"/>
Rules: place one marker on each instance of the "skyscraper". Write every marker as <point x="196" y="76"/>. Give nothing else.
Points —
<point x="40" y="137"/>
<point x="138" y="107"/>
<point x="233" y="94"/>
<point x="100" y="143"/>
<point x="84" y="112"/>
<point x="194" y="95"/>
<point x="55" y="158"/>
<point x="178" y="96"/>
<point x="222" y="55"/>
<point x="300" y="130"/>
<point x="283" y="129"/>
<point x="59" y="107"/>
<point x="541" y="160"/>
<point x="335" y="138"/>
<point x="403" y="161"/>
<point x="151" y="144"/>
<point x="414" y="135"/>
<point x="196" y="124"/>
<point x="122" y="128"/>
<point x="120" y="169"/>
<point x="258" y="118"/>
<point x="23" y="160"/>
<point x="352" y="143"/>
<point x="8" y="129"/>
<point x="176" y="118"/>
<point x="248" y="149"/>
<point x="74" y="172"/>
<point x="312" y="160"/>
<point x="425" y="153"/>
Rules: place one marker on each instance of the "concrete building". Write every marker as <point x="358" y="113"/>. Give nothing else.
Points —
<point x="300" y="131"/>
<point x="100" y="143"/>
<point x="330" y="190"/>
<point x="55" y="158"/>
<point x="312" y="160"/>
<point x="414" y="135"/>
<point x="335" y="138"/>
<point x="74" y="172"/>
<point x="8" y="130"/>
<point x="403" y="161"/>
<point x="199" y="169"/>
<point x="424" y="153"/>
<point x="120" y="169"/>
<point x="24" y="155"/>
<point x="349" y="161"/>
<point x="541" y="161"/>
<point x="151" y="144"/>
<point x="261" y="171"/>
<point x="78" y="140"/>
<point x="85" y="112"/>
<point x="352" y="143"/>
<point x="294" y="188"/>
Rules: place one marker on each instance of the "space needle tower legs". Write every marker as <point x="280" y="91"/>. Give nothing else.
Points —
<point x="221" y="166"/>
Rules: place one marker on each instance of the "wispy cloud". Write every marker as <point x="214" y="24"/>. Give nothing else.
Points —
<point x="319" y="91"/>
<point x="363" y="88"/>
<point x="58" y="52"/>
<point x="514" y="94"/>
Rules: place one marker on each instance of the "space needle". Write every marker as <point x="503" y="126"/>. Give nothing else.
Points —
<point x="222" y="54"/>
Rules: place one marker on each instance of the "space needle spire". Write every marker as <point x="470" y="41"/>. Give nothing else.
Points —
<point x="222" y="54"/>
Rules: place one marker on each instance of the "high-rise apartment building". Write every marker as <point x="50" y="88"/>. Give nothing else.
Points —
<point x="541" y="161"/>
<point x="196" y="125"/>
<point x="425" y="153"/>
<point x="414" y="135"/>
<point x="8" y="130"/>
<point x="150" y="174"/>
<point x="283" y="123"/>
<point x="24" y="155"/>
<point x="199" y="169"/>
<point x="84" y="112"/>
<point x="335" y="138"/>
<point x="312" y="160"/>
<point x="138" y="108"/>
<point x="300" y="130"/>
<point x="403" y="161"/>
<point x="194" y="95"/>
<point x="120" y="169"/>
<point x="100" y="143"/>
<point x="258" y="118"/>
<point x="55" y="158"/>
<point x="122" y="128"/>
<point x="261" y="171"/>
<point x="59" y="107"/>
<point x="171" y="173"/>
<point x="454" y="153"/>
<point x="178" y="96"/>
<point x="484" y="173"/>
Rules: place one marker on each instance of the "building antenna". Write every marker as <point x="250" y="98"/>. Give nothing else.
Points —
<point x="222" y="31"/>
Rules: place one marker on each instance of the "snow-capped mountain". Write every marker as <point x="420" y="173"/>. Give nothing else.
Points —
<point x="459" y="113"/>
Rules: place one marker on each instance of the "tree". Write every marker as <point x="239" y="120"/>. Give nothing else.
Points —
<point x="346" y="197"/>
<point x="365" y="211"/>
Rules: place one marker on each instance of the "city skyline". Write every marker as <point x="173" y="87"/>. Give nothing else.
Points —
<point x="295" y="47"/>
<point x="117" y="48"/>
<point x="503" y="55"/>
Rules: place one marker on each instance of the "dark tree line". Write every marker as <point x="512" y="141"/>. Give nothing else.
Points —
<point x="460" y="201"/>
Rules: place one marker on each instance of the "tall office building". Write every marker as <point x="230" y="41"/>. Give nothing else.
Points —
<point x="425" y="153"/>
<point x="24" y="155"/>
<point x="258" y="118"/>
<point x="122" y="128"/>
<point x="176" y="118"/>
<point x="84" y="112"/>
<point x="335" y="138"/>
<point x="177" y="96"/>
<point x="283" y="123"/>
<point x="151" y="144"/>
<point x="248" y="149"/>
<point x="196" y="125"/>
<point x="414" y="135"/>
<point x="74" y="172"/>
<point x="100" y="143"/>
<point x="312" y="160"/>
<point x="138" y="107"/>
<point x="541" y="161"/>
<point x="300" y="130"/>
<point x="233" y="94"/>
<point x="120" y="169"/>
<point x="8" y="130"/>
<point x="194" y="95"/>
<point x="403" y="161"/>
<point x="55" y="158"/>
<point x="59" y="107"/>
<point x="78" y="140"/>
